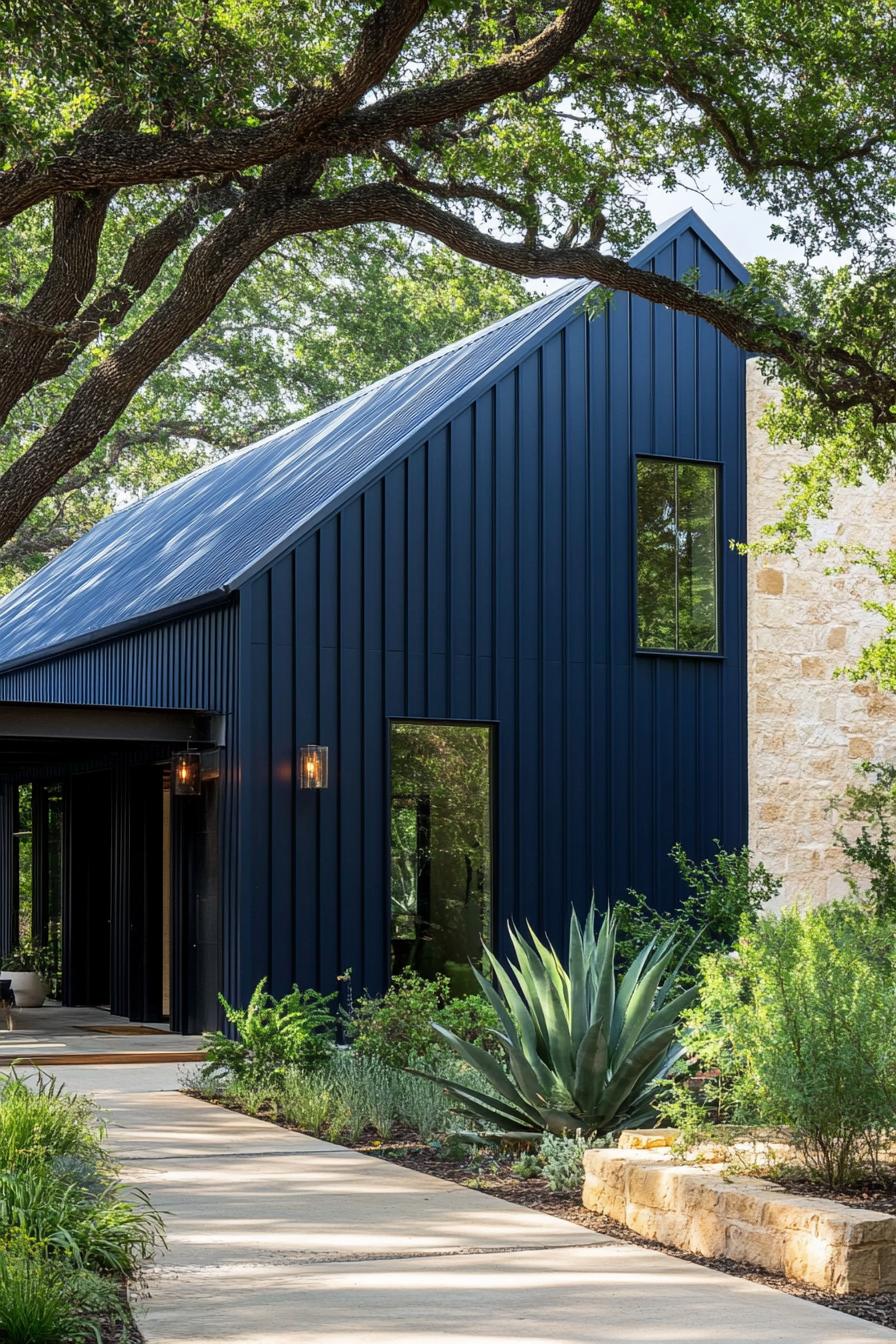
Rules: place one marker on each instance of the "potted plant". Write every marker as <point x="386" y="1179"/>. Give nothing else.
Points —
<point x="28" y="967"/>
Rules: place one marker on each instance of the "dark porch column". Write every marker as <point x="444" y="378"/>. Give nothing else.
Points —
<point x="8" y="884"/>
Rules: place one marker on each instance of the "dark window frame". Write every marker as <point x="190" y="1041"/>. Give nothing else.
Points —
<point x="718" y="468"/>
<point x="436" y="721"/>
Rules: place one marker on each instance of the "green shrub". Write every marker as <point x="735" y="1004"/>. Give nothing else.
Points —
<point x="725" y="890"/>
<point x="42" y="1122"/>
<point x="871" y="850"/>
<point x="397" y="1029"/>
<point x="49" y="1301"/>
<point x="57" y="1190"/>
<point x="801" y="1024"/>
<point x="581" y="1052"/>
<point x="107" y="1231"/>
<point x="273" y="1035"/>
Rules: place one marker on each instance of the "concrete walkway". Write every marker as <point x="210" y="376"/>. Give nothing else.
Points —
<point x="275" y="1238"/>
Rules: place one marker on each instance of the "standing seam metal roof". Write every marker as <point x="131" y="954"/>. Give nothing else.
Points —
<point x="200" y="536"/>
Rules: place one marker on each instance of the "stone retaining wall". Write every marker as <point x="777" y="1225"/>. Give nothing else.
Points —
<point x="816" y="1241"/>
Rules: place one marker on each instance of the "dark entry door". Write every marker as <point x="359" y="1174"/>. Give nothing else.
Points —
<point x="197" y="887"/>
<point x="148" y="893"/>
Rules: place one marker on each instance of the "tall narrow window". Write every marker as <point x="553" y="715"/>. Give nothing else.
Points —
<point x="677" y="556"/>
<point x="441" y="849"/>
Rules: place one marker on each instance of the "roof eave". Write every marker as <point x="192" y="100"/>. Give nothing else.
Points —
<point x="217" y="598"/>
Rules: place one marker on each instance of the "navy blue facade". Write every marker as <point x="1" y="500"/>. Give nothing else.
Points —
<point x="480" y="571"/>
<point x="488" y="576"/>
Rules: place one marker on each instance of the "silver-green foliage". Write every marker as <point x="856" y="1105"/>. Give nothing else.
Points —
<point x="581" y="1052"/>
<point x="562" y="1160"/>
<point x="350" y="1095"/>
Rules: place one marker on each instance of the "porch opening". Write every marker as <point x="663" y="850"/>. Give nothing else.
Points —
<point x="104" y="871"/>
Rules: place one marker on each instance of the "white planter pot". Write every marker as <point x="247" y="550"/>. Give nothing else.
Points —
<point x="30" y="990"/>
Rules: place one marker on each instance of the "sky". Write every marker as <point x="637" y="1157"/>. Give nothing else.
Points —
<point x="743" y="228"/>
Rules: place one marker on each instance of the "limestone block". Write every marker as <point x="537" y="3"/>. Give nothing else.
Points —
<point x="652" y="1186"/>
<point x="648" y="1138"/>
<point x="811" y="1260"/>
<point x="754" y="1245"/>
<point x="674" y="1229"/>
<point x="886" y="1255"/>
<point x="602" y="1198"/>
<point x="706" y="1234"/>
<point x="770" y="581"/>
<point x="609" y="1164"/>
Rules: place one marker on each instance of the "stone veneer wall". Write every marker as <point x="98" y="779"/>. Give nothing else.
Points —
<point x="807" y="728"/>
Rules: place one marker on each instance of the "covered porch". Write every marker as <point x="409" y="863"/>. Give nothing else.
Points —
<point x="109" y="872"/>
<point x="55" y="1035"/>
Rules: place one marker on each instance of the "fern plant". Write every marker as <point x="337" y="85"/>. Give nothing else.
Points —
<point x="272" y="1035"/>
<point x="580" y="1052"/>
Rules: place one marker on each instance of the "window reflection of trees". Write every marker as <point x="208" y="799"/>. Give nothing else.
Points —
<point x="677" y="556"/>
<point x="440" y="848"/>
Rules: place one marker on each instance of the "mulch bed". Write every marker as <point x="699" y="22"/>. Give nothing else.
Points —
<point x="493" y="1176"/>
<point x="116" y="1331"/>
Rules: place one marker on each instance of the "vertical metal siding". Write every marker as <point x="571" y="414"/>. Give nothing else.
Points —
<point x="489" y="575"/>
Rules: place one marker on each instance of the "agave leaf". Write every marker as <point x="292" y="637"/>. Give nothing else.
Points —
<point x="526" y="1078"/>
<point x="494" y="998"/>
<point x="629" y="983"/>
<point x="561" y="1122"/>
<point x="471" y="1096"/>
<point x="489" y="1115"/>
<point x="526" y="1036"/>
<point x="578" y="983"/>
<point x="603" y="974"/>
<point x="557" y="1040"/>
<point x="673" y="1009"/>
<point x="646" y="1055"/>
<point x="527" y="988"/>
<point x="483" y="1063"/>
<point x="591" y="1068"/>
<point x="639" y="1007"/>
<point x="554" y="967"/>
<point x="672" y="978"/>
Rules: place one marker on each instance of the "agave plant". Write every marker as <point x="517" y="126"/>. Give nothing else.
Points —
<point x="582" y="1053"/>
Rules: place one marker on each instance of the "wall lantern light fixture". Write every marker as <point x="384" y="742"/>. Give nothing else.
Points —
<point x="313" y="767"/>
<point x="186" y="772"/>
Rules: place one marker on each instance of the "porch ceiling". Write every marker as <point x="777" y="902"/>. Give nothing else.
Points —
<point x="38" y="733"/>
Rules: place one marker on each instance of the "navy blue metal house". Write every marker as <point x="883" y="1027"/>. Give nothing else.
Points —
<point x="460" y="648"/>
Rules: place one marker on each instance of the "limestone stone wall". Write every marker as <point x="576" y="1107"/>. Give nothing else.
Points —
<point x="807" y="727"/>
<point x="706" y="1211"/>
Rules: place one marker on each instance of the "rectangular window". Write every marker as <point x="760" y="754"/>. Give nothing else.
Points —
<point x="441" y="849"/>
<point x="677" y="556"/>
